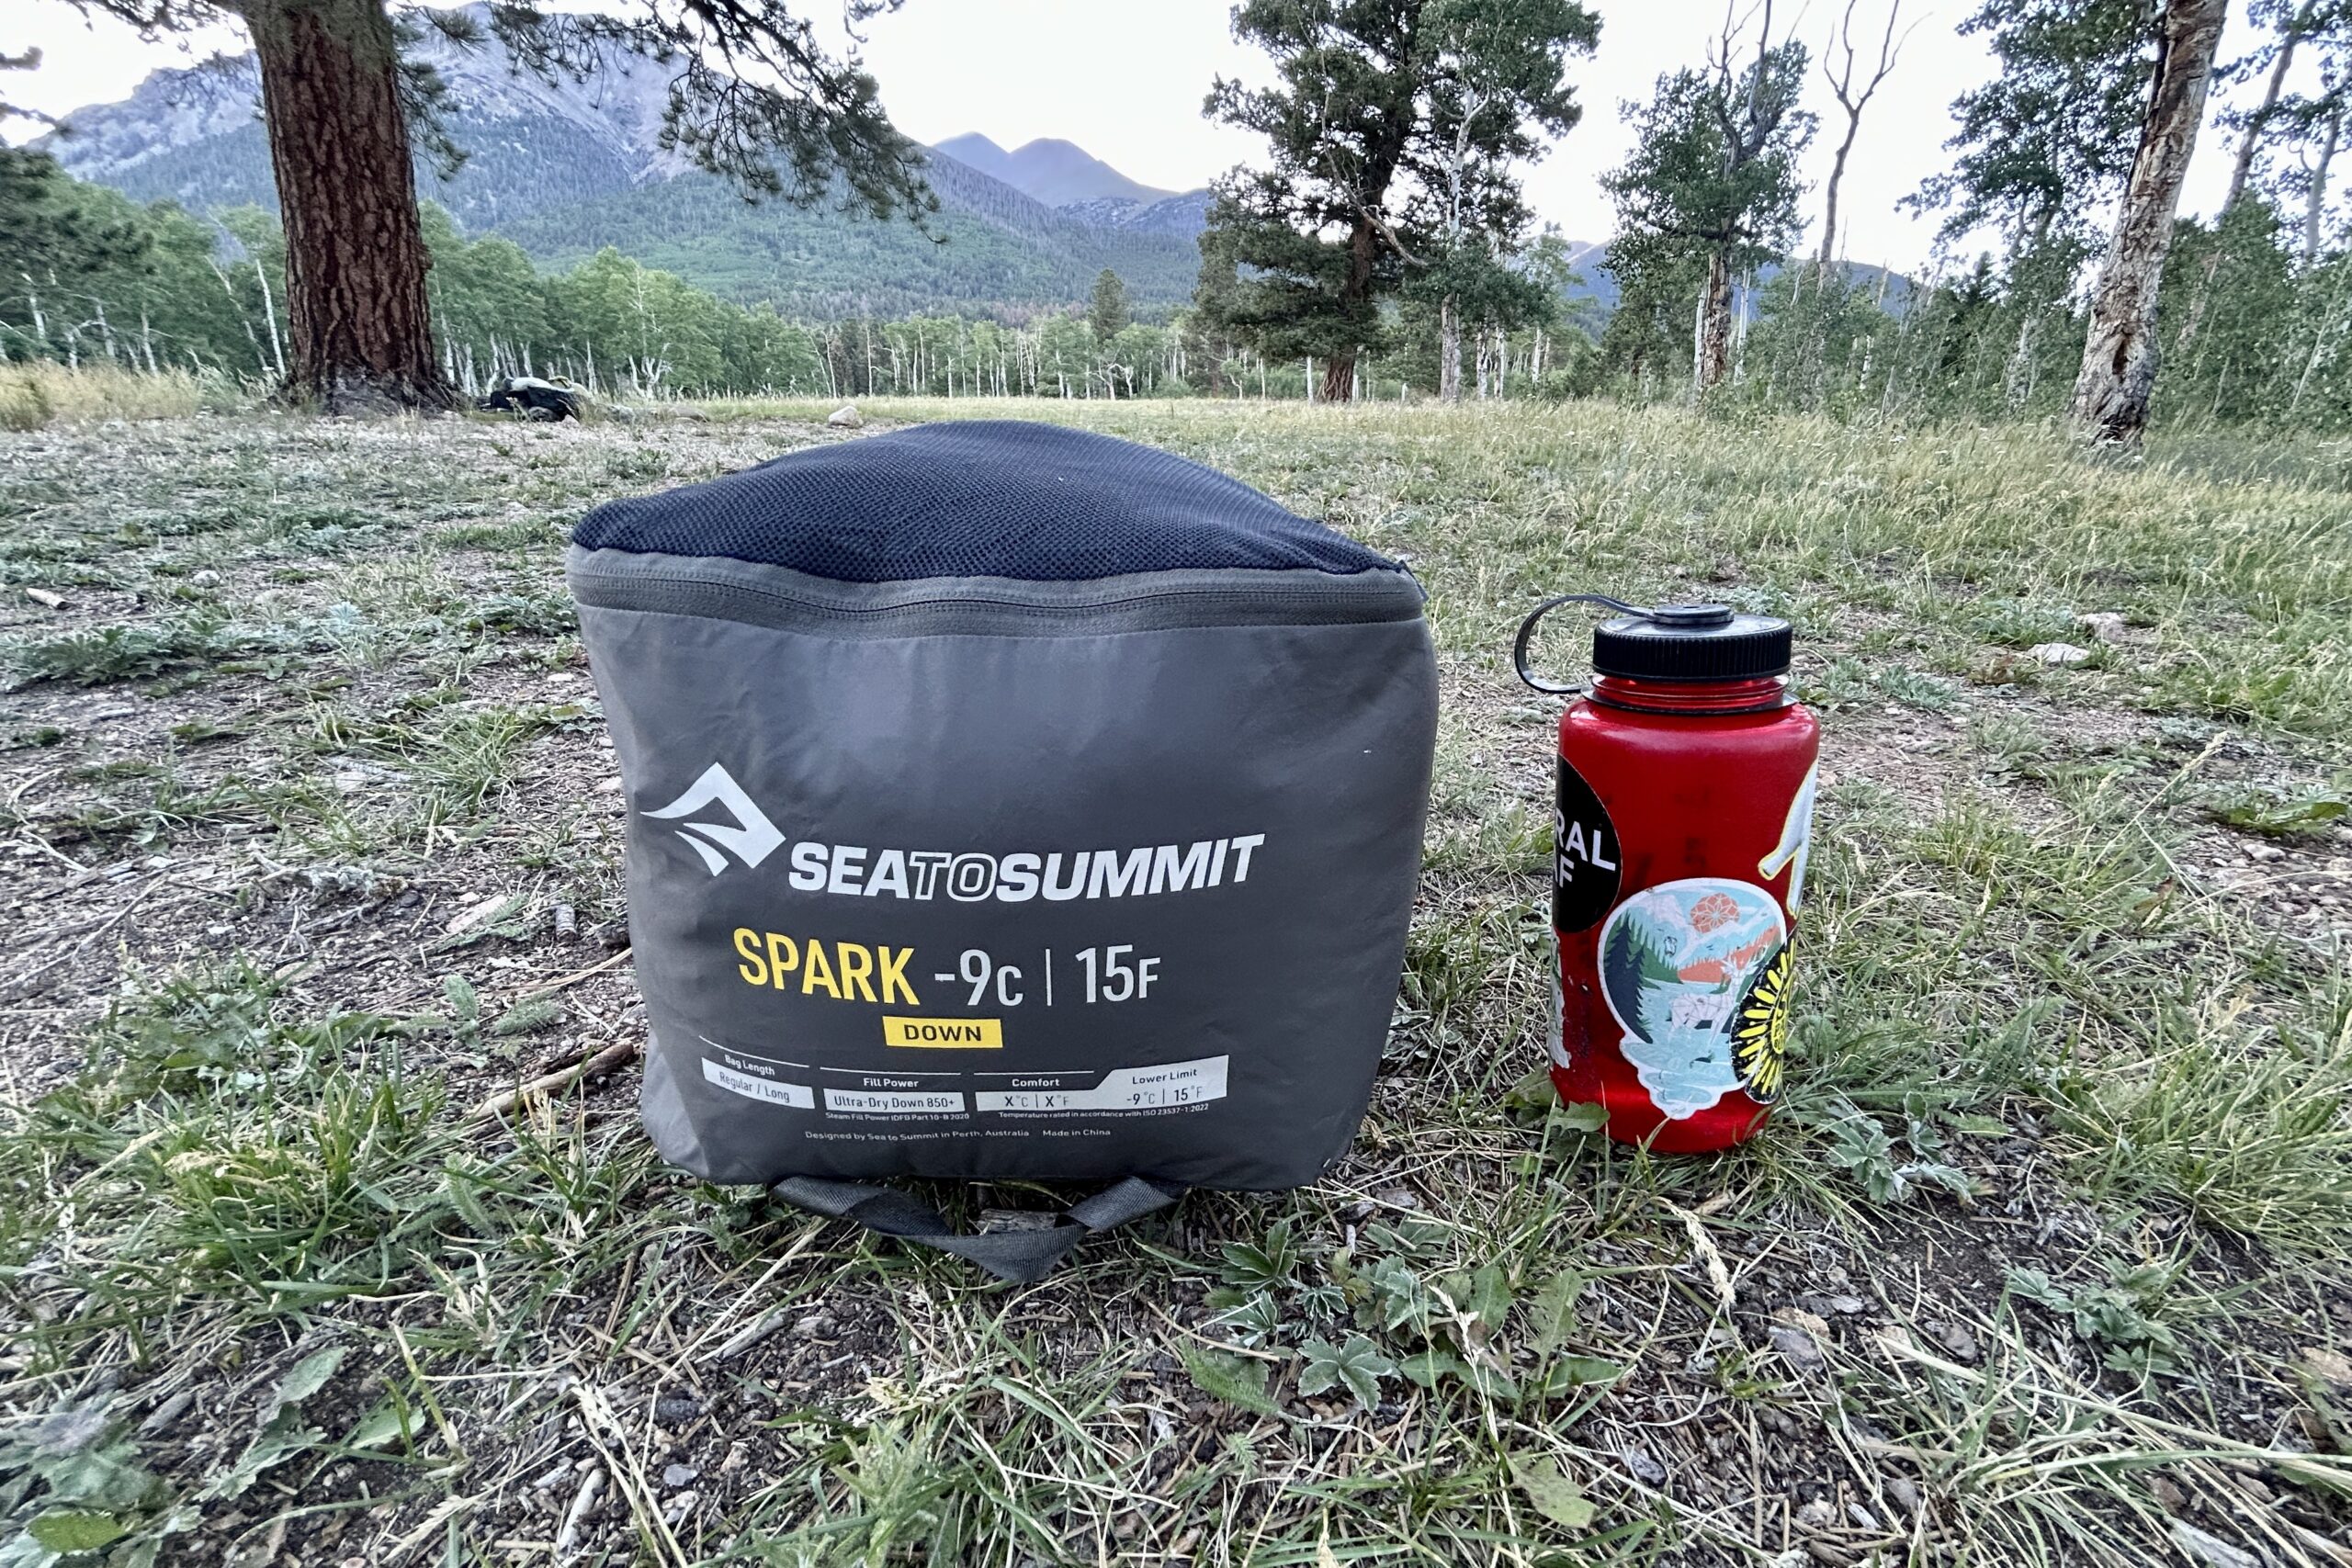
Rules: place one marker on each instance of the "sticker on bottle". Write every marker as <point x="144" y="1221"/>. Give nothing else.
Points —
<point x="1696" y="974"/>
<point x="1584" y="854"/>
<point x="1796" y="840"/>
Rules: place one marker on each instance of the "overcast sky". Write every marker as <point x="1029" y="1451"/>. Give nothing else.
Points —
<point x="1125" y="79"/>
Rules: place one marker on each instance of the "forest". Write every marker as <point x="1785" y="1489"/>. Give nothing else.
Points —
<point x="2251" y="320"/>
<point x="2258" y="336"/>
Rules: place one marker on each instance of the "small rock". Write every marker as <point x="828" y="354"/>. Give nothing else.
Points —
<point x="1955" y="1338"/>
<point x="473" y="915"/>
<point x="207" y="578"/>
<point x="845" y="417"/>
<point x="2107" y="626"/>
<point x="1906" y="1495"/>
<point x="1797" y="1345"/>
<point x="608" y="786"/>
<point x="2212" y="1550"/>
<point x="679" y="1506"/>
<point x="1645" y="1469"/>
<point x="676" y="1475"/>
<point x="2329" y="1364"/>
<point x="2265" y="852"/>
<point x="1816" y="1514"/>
<point x="676" y="1409"/>
<point x="2058" y="653"/>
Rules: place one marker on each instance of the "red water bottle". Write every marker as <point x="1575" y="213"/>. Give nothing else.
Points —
<point x="1685" y="801"/>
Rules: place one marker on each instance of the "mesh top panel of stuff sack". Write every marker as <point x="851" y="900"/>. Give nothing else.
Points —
<point x="1008" y="801"/>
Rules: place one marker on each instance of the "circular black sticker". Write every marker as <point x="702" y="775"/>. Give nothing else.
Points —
<point x="1584" y="855"/>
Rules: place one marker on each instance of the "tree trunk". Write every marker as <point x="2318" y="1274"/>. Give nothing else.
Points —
<point x="1829" y="203"/>
<point x="2255" y="122"/>
<point x="1712" y="361"/>
<point x="1448" y="351"/>
<point x="2315" y="199"/>
<point x="1338" y="377"/>
<point x="354" y="252"/>
<point x="1355" y="298"/>
<point x="2119" y="353"/>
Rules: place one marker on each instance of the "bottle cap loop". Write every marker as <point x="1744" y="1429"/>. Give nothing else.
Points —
<point x="1669" y="642"/>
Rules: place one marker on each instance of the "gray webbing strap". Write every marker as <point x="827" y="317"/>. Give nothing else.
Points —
<point x="1021" y="1257"/>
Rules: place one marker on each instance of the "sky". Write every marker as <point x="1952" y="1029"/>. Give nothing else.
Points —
<point x="1125" y="79"/>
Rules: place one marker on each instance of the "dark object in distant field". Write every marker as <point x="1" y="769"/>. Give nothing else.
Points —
<point x="531" y="398"/>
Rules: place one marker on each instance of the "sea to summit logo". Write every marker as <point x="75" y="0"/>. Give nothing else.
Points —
<point x="753" y="838"/>
<point x="966" y="877"/>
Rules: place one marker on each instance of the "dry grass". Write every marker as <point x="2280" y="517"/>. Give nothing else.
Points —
<point x="37" y="393"/>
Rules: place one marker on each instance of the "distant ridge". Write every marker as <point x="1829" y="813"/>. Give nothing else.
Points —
<point x="1055" y="172"/>
<point x="564" y="168"/>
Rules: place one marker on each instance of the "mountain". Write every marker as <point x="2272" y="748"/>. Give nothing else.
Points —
<point x="1591" y="302"/>
<point x="1184" y="216"/>
<point x="999" y="251"/>
<point x="1055" y="172"/>
<point x="564" y="168"/>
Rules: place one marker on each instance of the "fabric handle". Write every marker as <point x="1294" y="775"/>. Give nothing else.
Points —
<point x="1022" y="1256"/>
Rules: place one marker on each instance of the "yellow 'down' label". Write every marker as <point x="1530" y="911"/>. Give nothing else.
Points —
<point x="945" y="1033"/>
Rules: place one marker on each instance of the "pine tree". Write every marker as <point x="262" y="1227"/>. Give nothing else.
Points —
<point x="343" y="110"/>
<point x="1107" y="312"/>
<point x="1383" y="108"/>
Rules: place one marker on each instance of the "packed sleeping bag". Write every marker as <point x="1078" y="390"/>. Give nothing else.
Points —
<point x="1007" y="801"/>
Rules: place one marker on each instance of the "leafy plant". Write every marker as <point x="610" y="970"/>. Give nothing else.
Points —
<point x="77" y="1485"/>
<point x="1546" y="1486"/>
<point x="1863" y="1147"/>
<point x="2122" y="1319"/>
<point x="1239" y="1381"/>
<point x="279" y="1434"/>
<point x="2314" y="811"/>
<point x="1358" y="1364"/>
<point x="129" y="652"/>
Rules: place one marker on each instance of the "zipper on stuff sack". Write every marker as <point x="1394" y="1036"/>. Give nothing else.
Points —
<point x="1274" y="598"/>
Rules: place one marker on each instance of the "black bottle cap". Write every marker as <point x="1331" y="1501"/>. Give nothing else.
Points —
<point x="1691" y="642"/>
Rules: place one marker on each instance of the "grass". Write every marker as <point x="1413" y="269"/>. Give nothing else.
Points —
<point x="38" y="393"/>
<point x="2046" y="1261"/>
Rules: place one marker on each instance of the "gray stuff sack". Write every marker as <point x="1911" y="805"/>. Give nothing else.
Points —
<point x="1007" y="801"/>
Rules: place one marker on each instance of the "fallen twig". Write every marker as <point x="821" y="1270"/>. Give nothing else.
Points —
<point x="575" y="978"/>
<point x="611" y="1056"/>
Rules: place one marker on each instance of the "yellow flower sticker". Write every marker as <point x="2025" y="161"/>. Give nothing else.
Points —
<point x="1760" y="1033"/>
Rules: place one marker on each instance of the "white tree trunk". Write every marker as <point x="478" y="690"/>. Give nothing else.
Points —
<point x="1448" y="351"/>
<point x="2119" y="353"/>
<point x="2315" y="199"/>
